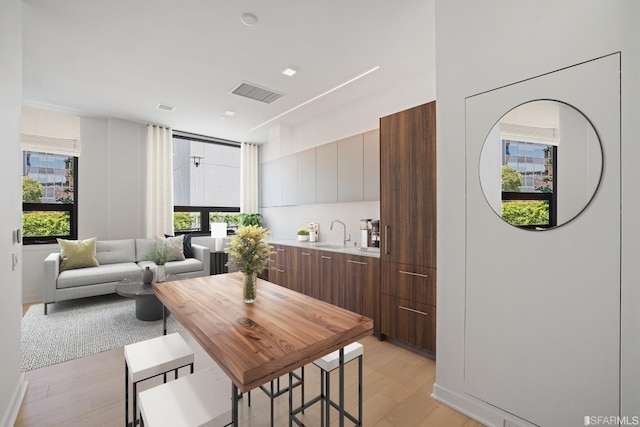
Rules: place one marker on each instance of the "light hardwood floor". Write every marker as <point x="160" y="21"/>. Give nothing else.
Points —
<point x="90" y="391"/>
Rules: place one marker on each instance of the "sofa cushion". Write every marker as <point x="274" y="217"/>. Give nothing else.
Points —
<point x="114" y="251"/>
<point x="186" y="247"/>
<point x="143" y="247"/>
<point x="77" y="253"/>
<point x="189" y="265"/>
<point x="176" y="247"/>
<point x="101" y="274"/>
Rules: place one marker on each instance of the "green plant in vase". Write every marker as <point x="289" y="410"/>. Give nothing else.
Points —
<point x="250" y="253"/>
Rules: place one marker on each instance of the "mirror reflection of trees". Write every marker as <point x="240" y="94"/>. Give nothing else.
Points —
<point x="536" y="152"/>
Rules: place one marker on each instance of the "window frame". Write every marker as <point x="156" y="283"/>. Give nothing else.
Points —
<point x="71" y="208"/>
<point x="551" y="198"/>
<point x="204" y="211"/>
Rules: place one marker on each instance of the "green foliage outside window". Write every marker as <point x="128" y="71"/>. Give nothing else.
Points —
<point x="525" y="212"/>
<point x="39" y="224"/>
<point x="511" y="179"/>
<point x="31" y="190"/>
<point x="182" y="221"/>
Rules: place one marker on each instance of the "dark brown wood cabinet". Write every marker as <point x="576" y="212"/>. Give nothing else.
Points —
<point x="284" y="263"/>
<point x="307" y="279"/>
<point x="361" y="287"/>
<point x="345" y="280"/>
<point x="408" y="225"/>
<point x="329" y="274"/>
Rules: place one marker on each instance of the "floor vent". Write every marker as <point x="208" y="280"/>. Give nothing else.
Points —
<point x="251" y="91"/>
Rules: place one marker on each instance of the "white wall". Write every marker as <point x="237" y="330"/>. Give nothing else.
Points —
<point x="485" y="45"/>
<point x="111" y="191"/>
<point x="12" y="383"/>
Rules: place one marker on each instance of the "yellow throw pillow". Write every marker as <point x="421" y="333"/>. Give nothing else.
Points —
<point x="78" y="253"/>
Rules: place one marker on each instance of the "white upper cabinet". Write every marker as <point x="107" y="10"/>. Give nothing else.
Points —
<point x="327" y="173"/>
<point x="350" y="169"/>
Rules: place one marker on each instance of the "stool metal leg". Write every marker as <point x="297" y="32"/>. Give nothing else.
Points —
<point x="360" y="391"/>
<point x="126" y="394"/>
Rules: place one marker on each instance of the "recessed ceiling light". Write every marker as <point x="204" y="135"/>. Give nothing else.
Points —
<point x="229" y="113"/>
<point x="248" y="19"/>
<point x="289" y="72"/>
<point x="165" y="107"/>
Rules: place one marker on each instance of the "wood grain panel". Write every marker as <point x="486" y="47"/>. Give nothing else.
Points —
<point x="409" y="282"/>
<point x="255" y="343"/>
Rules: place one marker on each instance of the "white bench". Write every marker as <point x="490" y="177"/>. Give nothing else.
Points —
<point x="153" y="357"/>
<point x="190" y="401"/>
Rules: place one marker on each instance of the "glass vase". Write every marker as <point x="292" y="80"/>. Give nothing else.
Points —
<point x="250" y="282"/>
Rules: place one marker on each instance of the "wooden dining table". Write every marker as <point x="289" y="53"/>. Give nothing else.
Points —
<point x="256" y="343"/>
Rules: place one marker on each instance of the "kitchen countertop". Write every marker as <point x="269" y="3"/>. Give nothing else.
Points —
<point x="331" y="247"/>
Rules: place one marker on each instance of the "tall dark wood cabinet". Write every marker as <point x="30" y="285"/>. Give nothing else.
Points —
<point x="408" y="225"/>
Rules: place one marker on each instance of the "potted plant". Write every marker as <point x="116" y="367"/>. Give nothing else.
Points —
<point x="303" y="234"/>
<point x="159" y="254"/>
<point x="251" y="254"/>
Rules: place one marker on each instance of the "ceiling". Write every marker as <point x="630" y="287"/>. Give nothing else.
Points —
<point x="121" y="58"/>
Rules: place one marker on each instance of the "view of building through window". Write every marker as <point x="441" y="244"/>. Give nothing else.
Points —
<point x="528" y="183"/>
<point x="206" y="182"/>
<point x="48" y="196"/>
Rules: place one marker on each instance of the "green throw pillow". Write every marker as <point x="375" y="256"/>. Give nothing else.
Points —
<point x="77" y="253"/>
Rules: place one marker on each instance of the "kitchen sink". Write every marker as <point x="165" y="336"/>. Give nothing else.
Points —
<point x="331" y="246"/>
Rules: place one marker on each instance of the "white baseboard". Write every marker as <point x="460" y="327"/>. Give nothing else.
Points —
<point x="10" y="416"/>
<point x="477" y="409"/>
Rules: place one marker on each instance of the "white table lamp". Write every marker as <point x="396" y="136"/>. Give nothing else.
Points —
<point x="219" y="233"/>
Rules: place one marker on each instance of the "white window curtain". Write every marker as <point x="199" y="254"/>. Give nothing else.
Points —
<point x="50" y="132"/>
<point x="159" y="181"/>
<point x="249" y="178"/>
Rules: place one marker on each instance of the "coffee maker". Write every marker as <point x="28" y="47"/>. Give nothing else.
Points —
<point x="375" y="233"/>
<point x="365" y="233"/>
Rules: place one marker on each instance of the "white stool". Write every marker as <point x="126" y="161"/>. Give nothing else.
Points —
<point x="150" y="358"/>
<point x="327" y="364"/>
<point x="190" y="401"/>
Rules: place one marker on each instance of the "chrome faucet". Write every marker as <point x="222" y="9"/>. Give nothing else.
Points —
<point x="345" y="239"/>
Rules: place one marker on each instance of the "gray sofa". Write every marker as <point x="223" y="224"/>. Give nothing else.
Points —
<point x="119" y="260"/>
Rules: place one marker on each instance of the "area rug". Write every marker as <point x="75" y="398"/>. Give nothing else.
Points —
<point x="82" y="327"/>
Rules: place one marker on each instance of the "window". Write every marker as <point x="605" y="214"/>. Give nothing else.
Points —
<point x="49" y="194"/>
<point x="528" y="184"/>
<point x="206" y="182"/>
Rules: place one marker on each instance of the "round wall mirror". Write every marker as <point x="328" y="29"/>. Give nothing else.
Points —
<point x="541" y="165"/>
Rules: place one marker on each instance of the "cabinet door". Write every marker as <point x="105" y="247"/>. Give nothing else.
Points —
<point x="350" y="169"/>
<point x="410" y="282"/>
<point x="327" y="173"/>
<point x="409" y="321"/>
<point x="371" y="171"/>
<point x="307" y="177"/>
<point x="329" y="276"/>
<point x="408" y="186"/>
<point x="289" y="177"/>
<point x="361" y="287"/>
<point x="307" y="274"/>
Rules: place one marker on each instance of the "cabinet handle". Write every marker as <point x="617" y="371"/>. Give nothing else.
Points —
<point x="305" y="253"/>
<point x="412" y="310"/>
<point x="413" y="274"/>
<point x="386" y="240"/>
<point x="325" y="257"/>
<point x="279" y="271"/>
<point x="280" y="250"/>
<point x="357" y="262"/>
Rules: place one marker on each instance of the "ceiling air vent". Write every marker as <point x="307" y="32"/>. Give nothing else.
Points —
<point x="251" y="91"/>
